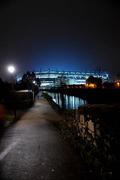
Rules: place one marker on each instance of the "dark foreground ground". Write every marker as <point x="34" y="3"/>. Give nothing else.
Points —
<point x="32" y="149"/>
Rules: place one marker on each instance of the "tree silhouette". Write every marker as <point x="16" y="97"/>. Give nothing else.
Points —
<point x="94" y="80"/>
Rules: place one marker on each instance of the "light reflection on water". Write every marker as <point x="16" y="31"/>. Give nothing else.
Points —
<point x="67" y="102"/>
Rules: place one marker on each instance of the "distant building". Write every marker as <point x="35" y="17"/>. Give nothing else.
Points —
<point x="51" y="78"/>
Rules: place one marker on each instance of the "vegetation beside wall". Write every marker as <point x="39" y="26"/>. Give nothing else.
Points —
<point x="93" y="131"/>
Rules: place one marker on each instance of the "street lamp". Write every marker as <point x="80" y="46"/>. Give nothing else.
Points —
<point x="11" y="70"/>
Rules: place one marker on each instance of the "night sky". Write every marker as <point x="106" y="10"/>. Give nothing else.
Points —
<point x="64" y="35"/>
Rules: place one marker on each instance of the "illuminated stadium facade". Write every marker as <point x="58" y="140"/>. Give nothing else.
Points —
<point x="50" y="78"/>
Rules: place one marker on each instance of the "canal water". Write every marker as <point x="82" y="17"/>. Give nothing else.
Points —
<point x="66" y="101"/>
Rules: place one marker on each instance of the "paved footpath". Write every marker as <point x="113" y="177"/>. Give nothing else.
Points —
<point x="32" y="149"/>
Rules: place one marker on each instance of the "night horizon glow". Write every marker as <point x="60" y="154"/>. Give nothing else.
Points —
<point x="82" y="35"/>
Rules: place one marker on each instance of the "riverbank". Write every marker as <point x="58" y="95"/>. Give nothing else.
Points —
<point x="92" y="95"/>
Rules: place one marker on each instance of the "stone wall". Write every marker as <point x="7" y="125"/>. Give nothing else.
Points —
<point x="97" y="127"/>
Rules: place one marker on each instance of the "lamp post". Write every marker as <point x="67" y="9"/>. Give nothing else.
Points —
<point x="11" y="70"/>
